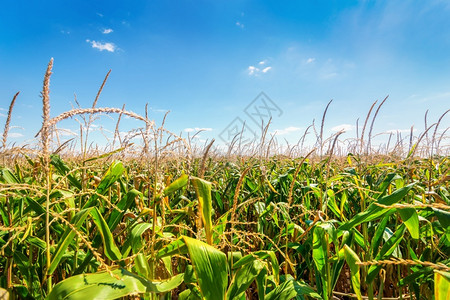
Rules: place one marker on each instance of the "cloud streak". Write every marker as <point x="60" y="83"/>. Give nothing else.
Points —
<point x="197" y="129"/>
<point x="261" y="69"/>
<point x="110" y="47"/>
<point x="286" y="130"/>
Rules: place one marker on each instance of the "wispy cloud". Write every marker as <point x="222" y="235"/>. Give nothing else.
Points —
<point x="107" y="31"/>
<point x="259" y="69"/>
<point x="401" y="130"/>
<point x="196" y="129"/>
<point x="100" y="15"/>
<point x="344" y="127"/>
<point x="310" y="60"/>
<point x="2" y="115"/>
<point x="110" y="47"/>
<point x="286" y="130"/>
<point x="239" y="24"/>
<point x="15" y="135"/>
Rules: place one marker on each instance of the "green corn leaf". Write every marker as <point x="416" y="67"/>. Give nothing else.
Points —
<point x="374" y="211"/>
<point x="378" y="236"/>
<point x="210" y="267"/>
<point x="441" y="285"/>
<point x="243" y="279"/>
<point x="104" y="155"/>
<point x="67" y="238"/>
<point x="176" y="247"/>
<point x="104" y="286"/>
<point x="7" y="176"/>
<point x="387" y="249"/>
<point x="203" y="189"/>
<point x="113" y="173"/>
<point x="320" y="256"/>
<point x="444" y="218"/>
<point x="352" y="258"/>
<point x="261" y="255"/>
<point x="291" y="289"/>
<point x="110" y="248"/>
<point x="64" y="170"/>
<point x="411" y="219"/>
<point x="181" y="182"/>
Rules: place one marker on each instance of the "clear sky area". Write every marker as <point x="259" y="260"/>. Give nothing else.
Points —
<point x="208" y="61"/>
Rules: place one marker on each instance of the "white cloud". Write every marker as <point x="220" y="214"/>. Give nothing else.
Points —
<point x="256" y="71"/>
<point x="196" y="129"/>
<point x="110" y="47"/>
<point x="100" y="15"/>
<point x="107" y="31"/>
<point x="310" y="60"/>
<point x="2" y="115"/>
<point x="252" y="70"/>
<point x="2" y="109"/>
<point x="401" y="130"/>
<point x="239" y="24"/>
<point x="344" y="127"/>
<point x="287" y="130"/>
<point x="15" y="135"/>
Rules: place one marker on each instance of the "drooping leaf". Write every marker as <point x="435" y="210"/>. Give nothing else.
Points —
<point x="203" y="190"/>
<point x="387" y="249"/>
<point x="441" y="285"/>
<point x="411" y="219"/>
<point x="374" y="211"/>
<point x="109" y="246"/>
<point x="243" y="279"/>
<point x="352" y="259"/>
<point x="210" y="266"/>
<point x="104" y="286"/>
<point x="67" y="238"/>
<point x="113" y="173"/>
<point x="179" y="183"/>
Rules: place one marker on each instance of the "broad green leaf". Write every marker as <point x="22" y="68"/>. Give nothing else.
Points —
<point x="387" y="249"/>
<point x="181" y="182"/>
<point x="176" y="247"/>
<point x="142" y="265"/>
<point x="67" y="238"/>
<point x="444" y="218"/>
<point x="104" y="286"/>
<point x="7" y="176"/>
<point x="113" y="173"/>
<point x="210" y="267"/>
<point x="378" y="236"/>
<point x="291" y="289"/>
<point x="270" y="256"/>
<point x="109" y="246"/>
<point x="243" y="279"/>
<point x="374" y="211"/>
<point x="441" y="285"/>
<point x="104" y="155"/>
<point x="64" y="170"/>
<point x="123" y="205"/>
<point x="203" y="189"/>
<point x="352" y="259"/>
<point x="411" y="219"/>
<point x="320" y="256"/>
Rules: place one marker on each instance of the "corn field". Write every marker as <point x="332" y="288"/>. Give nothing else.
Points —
<point x="166" y="220"/>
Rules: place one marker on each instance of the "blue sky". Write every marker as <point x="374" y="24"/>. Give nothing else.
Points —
<point x="205" y="61"/>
